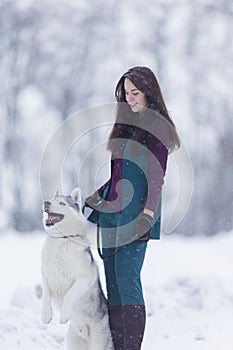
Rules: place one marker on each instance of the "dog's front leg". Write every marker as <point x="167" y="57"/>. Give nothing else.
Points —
<point x="47" y="311"/>
<point x="68" y="302"/>
<point x="70" y="298"/>
<point x="79" y="288"/>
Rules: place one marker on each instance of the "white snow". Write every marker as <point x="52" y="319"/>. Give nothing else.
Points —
<point x="188" y="284"/>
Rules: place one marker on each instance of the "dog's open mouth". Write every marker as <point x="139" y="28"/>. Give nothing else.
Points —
<point x="53" y="218"/>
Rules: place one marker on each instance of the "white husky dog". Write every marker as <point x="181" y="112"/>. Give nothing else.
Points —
<point x="70" y="276"/>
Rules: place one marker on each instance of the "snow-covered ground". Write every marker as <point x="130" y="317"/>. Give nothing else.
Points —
<point x="188" y="285"/>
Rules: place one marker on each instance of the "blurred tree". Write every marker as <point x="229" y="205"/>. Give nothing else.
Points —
<point x="17" y="32"/>
<point x="69" y="56"/>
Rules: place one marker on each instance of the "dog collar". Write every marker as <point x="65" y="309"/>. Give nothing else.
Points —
<point x="71" y="236"/>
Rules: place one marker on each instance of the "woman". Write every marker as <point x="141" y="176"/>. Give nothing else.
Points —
<point x="127" y="207"/>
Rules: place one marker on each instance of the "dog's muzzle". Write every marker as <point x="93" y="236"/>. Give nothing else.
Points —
<point x="53" y="218"/>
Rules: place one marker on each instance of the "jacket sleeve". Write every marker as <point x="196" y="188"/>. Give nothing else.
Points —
<point x="157" y="158"/>
<point x="107" y="183"/>
<point x="103" y="187"/>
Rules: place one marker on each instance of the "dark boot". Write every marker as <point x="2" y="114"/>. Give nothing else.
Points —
<point x="116" y="326"/>
<point x="134" y="320"/>
<point x="127" y="323"/>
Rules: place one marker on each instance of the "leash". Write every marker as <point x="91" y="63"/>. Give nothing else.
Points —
<point x="104" y="258"/>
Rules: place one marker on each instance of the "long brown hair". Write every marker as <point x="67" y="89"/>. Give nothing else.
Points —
<point x="145" y="81"/>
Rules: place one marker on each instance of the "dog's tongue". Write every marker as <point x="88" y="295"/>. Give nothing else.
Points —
<point x="49" y="221"/>
<point x="53" y="218"/>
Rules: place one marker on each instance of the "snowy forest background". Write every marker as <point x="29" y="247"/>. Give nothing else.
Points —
<point x="58" y="57"/>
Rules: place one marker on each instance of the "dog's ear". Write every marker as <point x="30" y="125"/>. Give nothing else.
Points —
<point x="76" y="196"/>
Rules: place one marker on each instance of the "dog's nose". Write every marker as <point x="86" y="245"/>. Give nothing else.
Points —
<point x="47" y="204"/>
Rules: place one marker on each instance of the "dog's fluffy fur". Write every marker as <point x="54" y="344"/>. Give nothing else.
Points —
<point x="70" y="276"/>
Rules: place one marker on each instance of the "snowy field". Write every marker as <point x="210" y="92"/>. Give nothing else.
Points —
<point x="188" y="287"/>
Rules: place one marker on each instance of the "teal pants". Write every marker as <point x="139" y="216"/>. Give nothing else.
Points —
<point x="123" y="270"/>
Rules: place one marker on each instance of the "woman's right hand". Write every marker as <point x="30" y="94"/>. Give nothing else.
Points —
<point x="94" y="201"/>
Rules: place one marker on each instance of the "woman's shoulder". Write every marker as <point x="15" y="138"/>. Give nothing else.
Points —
<point x="159" y="131"/>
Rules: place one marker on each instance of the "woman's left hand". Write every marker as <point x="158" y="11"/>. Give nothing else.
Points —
<point x="143" y="227"/>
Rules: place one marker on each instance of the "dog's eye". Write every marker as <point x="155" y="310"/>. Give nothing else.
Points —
<point x="62" y="203"/>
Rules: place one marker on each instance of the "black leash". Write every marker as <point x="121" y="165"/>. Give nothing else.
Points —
<point x="104" y="258"/>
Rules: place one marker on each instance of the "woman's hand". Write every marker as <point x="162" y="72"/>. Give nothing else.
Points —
<point x="94" y="201"/>
<point x="143" y="227"/>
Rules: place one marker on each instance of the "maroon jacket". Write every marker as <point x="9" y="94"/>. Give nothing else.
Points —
<point x="156" y="157"/>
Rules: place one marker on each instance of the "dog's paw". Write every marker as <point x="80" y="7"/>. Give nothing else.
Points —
<point x="47" y="316"/>
<point x="64" y="318"/>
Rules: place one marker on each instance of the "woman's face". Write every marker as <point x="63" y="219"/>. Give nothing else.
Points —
<point x="134" y="97"/>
